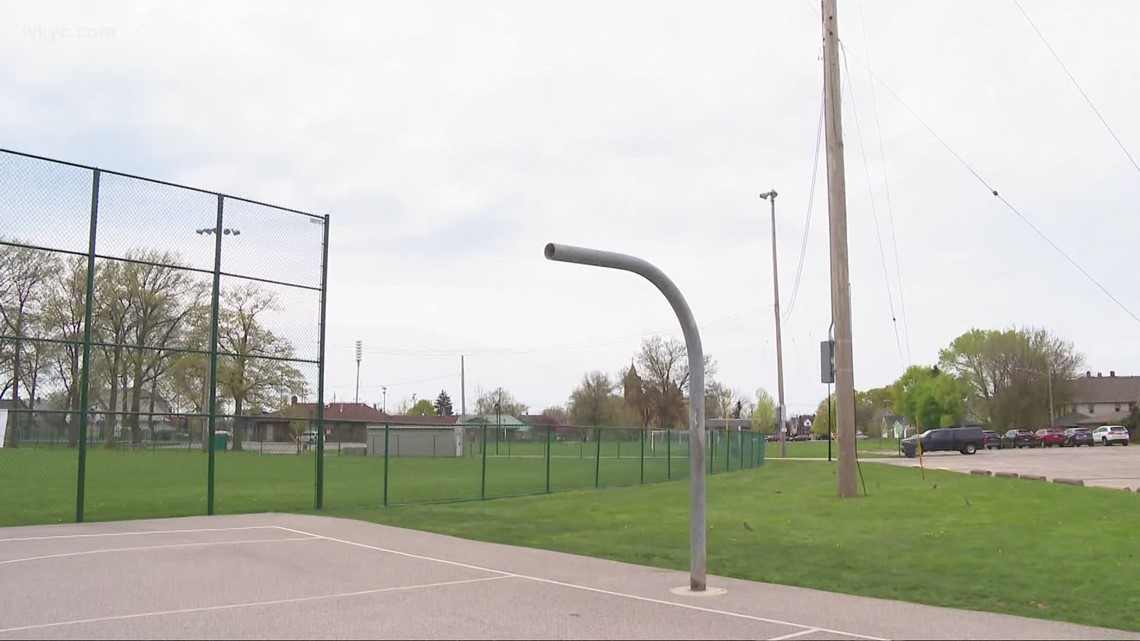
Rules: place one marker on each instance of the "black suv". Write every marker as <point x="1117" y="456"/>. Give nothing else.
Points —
<point x="1078" y="436"/>
<point x="966" y="440"/>
<point x="1019" y="439"/>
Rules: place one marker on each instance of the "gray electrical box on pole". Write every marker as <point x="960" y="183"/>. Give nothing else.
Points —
<point x="827" y="362"/>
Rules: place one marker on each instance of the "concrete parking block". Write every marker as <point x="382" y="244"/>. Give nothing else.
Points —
<point x="981" y="472"/>
<point x="1007" y="475"/>
<point x="1033" y="477"/>
<point x="1070" y="481"/>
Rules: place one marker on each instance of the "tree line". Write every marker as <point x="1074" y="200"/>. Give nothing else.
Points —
<point x="151" y="333"/>
<point x="998" y="378"/>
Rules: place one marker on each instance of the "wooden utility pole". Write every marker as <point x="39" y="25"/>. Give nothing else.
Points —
<point x="840" y="273"/>
<point x="462" y="389"/>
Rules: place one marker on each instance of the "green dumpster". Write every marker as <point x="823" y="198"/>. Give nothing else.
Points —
<point x="221" y="440"/>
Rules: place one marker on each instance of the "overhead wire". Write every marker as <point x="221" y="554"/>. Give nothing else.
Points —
<point x="807" y="224"/>
<point x="559" y="348"/>
<point x="995" y="193"/>
<point x="874" y="210"/>
<point x="886" y="186"/>
<point x="1076" y="84"/>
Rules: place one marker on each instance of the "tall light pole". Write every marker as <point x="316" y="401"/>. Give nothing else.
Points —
<point x="358" y="353"/>
<point x="384" y="403"/>
<point x="771" y="197"/>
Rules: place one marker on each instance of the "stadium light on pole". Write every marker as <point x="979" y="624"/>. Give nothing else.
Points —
<point x="697" y="437"/>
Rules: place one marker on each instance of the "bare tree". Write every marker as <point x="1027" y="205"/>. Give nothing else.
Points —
<point x="162" y="297"/>
<point x="499" y="401"/>
<point x="664" y="368"/>
<point x="64" y="312"/>
<point x="24" y="273"/>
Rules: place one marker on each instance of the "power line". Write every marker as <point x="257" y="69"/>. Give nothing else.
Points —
<point x="993" y="191"/>
<point x="1078" y="86"/>
<point x="811" y="202"/>
<point x="874" y="211"/>
<point x="886" y="186"/>
<point x="558" y="348"/>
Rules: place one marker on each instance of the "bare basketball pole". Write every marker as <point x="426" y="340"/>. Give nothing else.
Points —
<point x="697" y="519"/>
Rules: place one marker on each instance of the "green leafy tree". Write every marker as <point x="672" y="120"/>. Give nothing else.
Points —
<point x="931" y="398"/>
<point x="822" y="424"/>
<point x="252" y="372"/>
<point x="423" y="407"/>
<point x="764" y="415"/>
<point x="442" y="405"/>
<point x="595" y="401"/>
<point x="1007" y="372"/>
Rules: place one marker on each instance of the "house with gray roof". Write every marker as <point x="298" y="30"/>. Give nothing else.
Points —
<point x="1099" y="400"/>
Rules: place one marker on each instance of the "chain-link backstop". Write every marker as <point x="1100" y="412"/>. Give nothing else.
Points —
<point x="144" y="328"/>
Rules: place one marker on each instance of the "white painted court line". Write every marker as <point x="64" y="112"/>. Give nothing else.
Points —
<point x="251" y="604"/>
<point x="587" y="588"/>
<point x="397" y="552"/>
<point x="139" y="533"/>
<point x="796" y="634"/>
<point x="152" y="547"/>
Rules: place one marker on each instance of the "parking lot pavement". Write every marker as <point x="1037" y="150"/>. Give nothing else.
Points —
<point x="1116" y="466"/>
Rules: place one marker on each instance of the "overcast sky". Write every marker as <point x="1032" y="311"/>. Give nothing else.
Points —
<point x="449" y="141"/>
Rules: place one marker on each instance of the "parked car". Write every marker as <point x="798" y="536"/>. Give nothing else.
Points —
<point x="802" y="437"/>
<point x="991" y="440"/>
<point x="1111" y="435"/>
<point x="966" y="440"/>
<point x="1018" y="439"/>
<point x="1078" y="436"/>
<point x="1048" y="437"/>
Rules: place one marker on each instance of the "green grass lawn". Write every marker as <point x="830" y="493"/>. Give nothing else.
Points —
<point x="1002" y="545"/>
<point x="173" y="482"/>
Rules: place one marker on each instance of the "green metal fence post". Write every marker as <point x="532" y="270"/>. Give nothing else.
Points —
<point x="740" y="448"/>
<point x="483" y="474"/>
<point x="319" y="499"/>
<point x="85" y="373"/>
<point x="643" y="455"/>
<point x="619" y="445"/>
<point x="386" y="428"/>
<point x="597" y="456"/>
<point x="549" y="430"/>
<point x="668" y="455"/>
<point x="211" y="426"/>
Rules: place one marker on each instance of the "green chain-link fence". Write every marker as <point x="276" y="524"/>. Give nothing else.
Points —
<point x="144" y="326"/>
<point x="162" y="352"/>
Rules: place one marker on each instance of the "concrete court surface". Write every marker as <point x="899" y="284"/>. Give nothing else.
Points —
<point x="278" y="576"/>
<point x="1114" y="467"/>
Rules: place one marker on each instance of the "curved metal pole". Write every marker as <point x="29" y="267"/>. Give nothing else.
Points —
<point x="697" y="519"/>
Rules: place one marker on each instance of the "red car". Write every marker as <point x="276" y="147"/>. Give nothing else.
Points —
<point x="1048" y="437"/>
